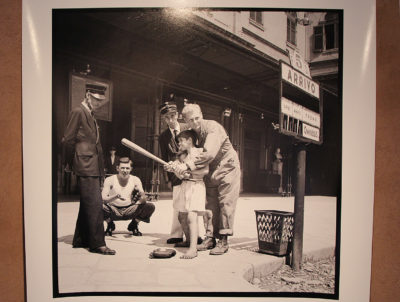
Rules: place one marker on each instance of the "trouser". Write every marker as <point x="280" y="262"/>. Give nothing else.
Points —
<point x="222" y="193"/>
<point x="176" y="228"/>
<point x="140" y="212"/>
<point x="89" y="230"/>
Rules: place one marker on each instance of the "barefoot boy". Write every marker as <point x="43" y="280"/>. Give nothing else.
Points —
<point x="193" y="193"/>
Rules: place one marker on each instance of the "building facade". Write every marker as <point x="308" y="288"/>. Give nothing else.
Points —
<point x="227" y="61"/>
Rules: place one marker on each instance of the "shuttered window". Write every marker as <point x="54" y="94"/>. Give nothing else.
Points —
<point x="326" y="37"/>
<point x="318" y="38"/>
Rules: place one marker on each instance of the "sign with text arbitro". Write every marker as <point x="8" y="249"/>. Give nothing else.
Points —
<point x="300" y="110"/>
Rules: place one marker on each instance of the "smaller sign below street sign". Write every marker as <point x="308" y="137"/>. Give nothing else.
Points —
<point x="299" y="112"/>
<point x="300" y="121"/>
<point x="310" y="132"/>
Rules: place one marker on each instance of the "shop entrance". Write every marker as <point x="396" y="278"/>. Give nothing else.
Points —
<point x="251" y="159"/>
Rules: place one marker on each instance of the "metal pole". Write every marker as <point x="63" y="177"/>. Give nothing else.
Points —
<point x="297" y="253"/>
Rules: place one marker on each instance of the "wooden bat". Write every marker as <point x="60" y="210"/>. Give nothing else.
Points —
<point x="142" y="151"/>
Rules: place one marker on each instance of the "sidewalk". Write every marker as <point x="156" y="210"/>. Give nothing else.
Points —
<point x="131" y="270"/>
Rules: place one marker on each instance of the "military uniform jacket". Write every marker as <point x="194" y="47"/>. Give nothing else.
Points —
<point x="81" y="137"/>
<point x="169" y="148"/>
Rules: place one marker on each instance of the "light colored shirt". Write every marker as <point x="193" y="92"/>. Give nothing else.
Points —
<point x="113" y="187"/>
<point x="197" y="173"/>
<point x="216" y="144"/>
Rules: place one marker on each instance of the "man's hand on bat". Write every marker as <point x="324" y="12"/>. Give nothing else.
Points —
<point x="169" y="167"/>
<point x="180" y="168"/>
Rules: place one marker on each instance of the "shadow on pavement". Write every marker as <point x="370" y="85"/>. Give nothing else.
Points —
<point x="66" y="239"/>
<point x="244" y="243"/>
<point x="160" y="240"/>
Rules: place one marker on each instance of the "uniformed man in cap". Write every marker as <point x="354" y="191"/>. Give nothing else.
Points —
<point x="169" y="148"/>
<point x="81" y="137"/>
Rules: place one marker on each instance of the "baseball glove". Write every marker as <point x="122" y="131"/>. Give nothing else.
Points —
<point x="135" y="195"/>
<point x="162" y="253"/>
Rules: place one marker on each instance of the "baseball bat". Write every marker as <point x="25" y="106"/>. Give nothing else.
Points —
<point x="142" y="151"/>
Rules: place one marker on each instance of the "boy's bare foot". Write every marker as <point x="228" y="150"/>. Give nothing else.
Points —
<point x="182" y="244"/>
<point x="190" y="254"/>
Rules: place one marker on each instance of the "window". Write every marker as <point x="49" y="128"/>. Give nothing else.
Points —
<point x="291" y="31"/>
<point x="291" y="27"/>
<point x="326" y="35"/>
<point x="256" y="17"/>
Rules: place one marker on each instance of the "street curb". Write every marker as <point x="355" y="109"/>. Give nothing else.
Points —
<point x="263" y="269"/>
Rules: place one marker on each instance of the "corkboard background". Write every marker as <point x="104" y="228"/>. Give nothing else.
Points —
<point x="385" y="284"/>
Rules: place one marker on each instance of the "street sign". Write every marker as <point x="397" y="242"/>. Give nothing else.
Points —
<point x="299" y="80"/>
<point x="300" y="110"/>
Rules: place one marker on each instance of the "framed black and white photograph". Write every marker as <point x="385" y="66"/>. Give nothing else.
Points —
<point x="198" y="151"/>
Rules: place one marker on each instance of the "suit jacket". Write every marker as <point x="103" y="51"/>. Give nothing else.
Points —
<point x="111" y="168"/>
<point x="81" y="137"/>
<point x="169" y="149"/>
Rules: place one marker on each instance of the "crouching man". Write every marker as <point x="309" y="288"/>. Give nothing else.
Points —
<point x="124" y="199"/>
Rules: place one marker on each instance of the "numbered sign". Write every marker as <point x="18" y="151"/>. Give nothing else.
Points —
<point x="297" y="61"/>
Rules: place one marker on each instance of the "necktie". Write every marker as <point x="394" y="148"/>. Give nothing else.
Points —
<point x="97" y="128"/>
<point x="176" y="135"/>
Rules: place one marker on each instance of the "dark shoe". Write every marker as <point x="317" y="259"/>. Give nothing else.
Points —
<point x="110" y="228"/>
<point x="207" y="244"/>
<point x="174" y="240"/>
<point x="182" y="244"/>
<point x="186" y="243"/>
<point x="104" y="250"/>
<point x="220" y="248"/>
<point x="133" y="227"/>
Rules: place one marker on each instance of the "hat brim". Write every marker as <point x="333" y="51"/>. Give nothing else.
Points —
<point x="168" y="110"/>
<point x="98" y="96"/>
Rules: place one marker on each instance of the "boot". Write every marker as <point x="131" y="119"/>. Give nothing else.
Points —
<point x="133" y="227"/>
<point x="110" y="228"/>
<point x="208" y="243"/>
<point x="221" y="247"/>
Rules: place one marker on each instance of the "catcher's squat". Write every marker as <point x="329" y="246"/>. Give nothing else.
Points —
<point x="124" y="199"/>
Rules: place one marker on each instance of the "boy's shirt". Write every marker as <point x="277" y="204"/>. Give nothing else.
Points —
<point x="197" y="173"/>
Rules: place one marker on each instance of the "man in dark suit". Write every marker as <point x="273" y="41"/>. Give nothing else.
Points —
<point x="81" y="137"/>
<point x="169" y="148"/>
<point x="112" y="161"/>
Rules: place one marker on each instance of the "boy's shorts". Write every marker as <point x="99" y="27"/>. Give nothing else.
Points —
<point x="191" y="196"/>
